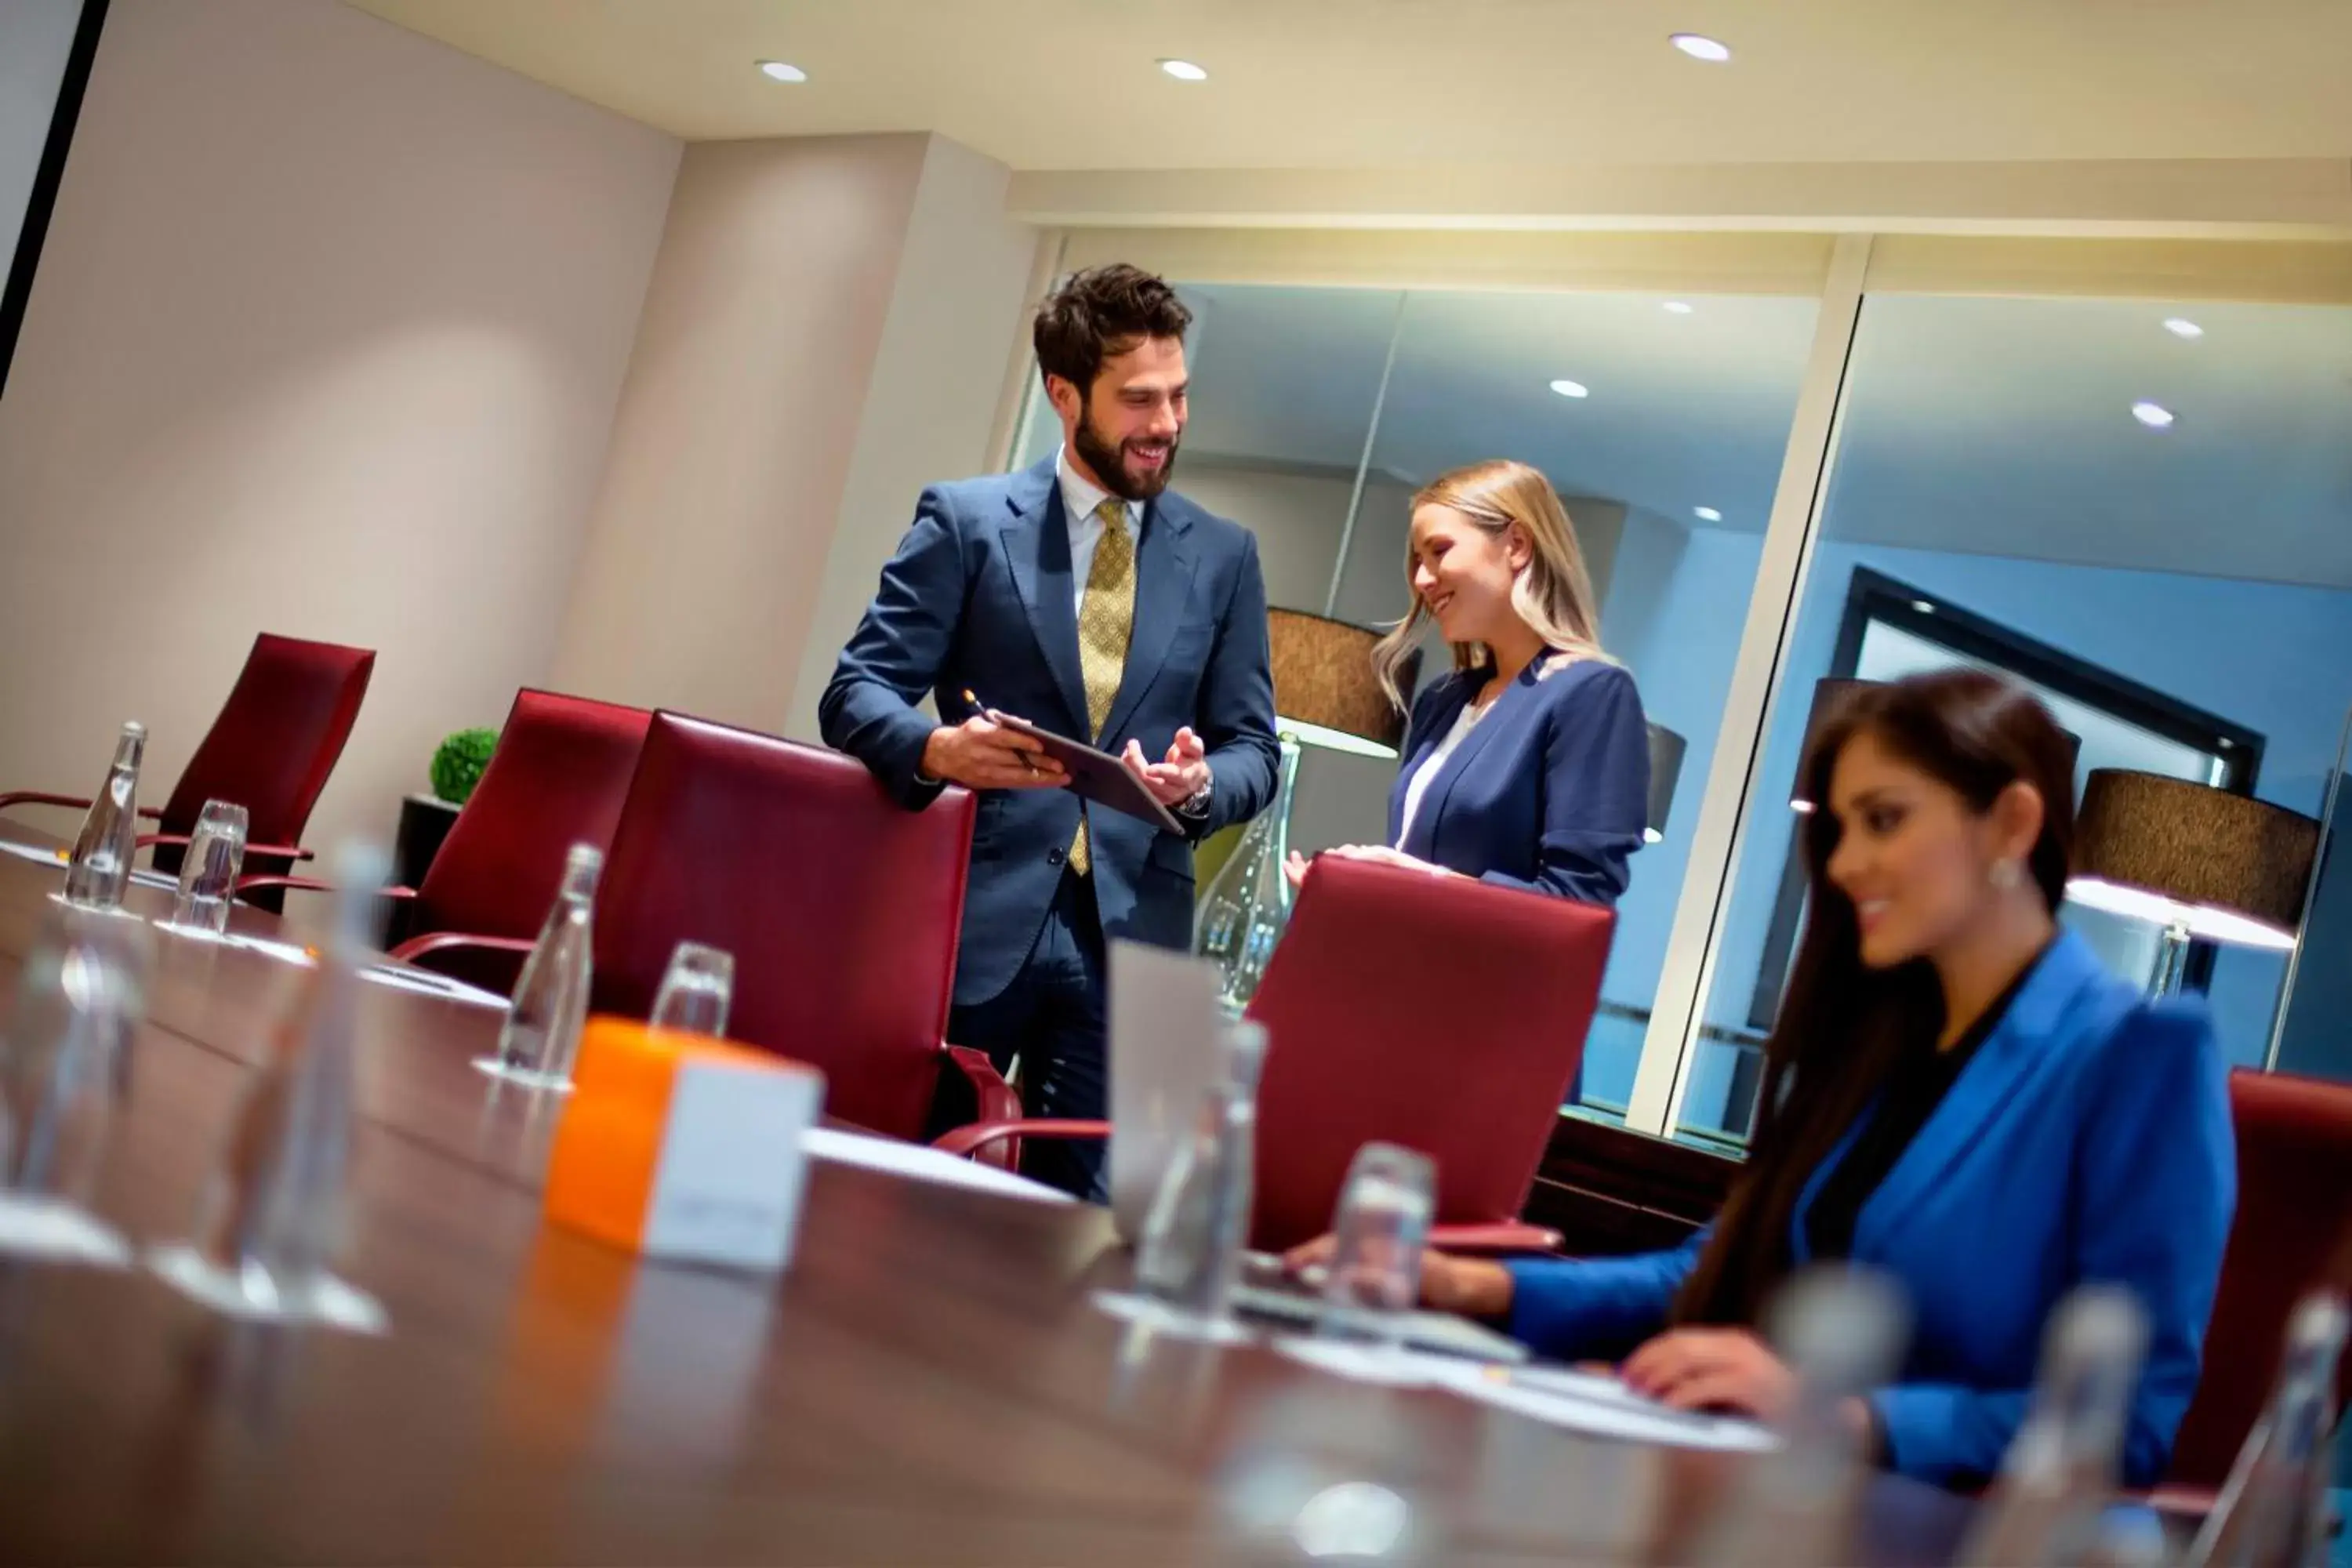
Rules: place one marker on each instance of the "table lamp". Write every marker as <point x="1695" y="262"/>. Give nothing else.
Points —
<point x="1666" y="770"/>
<point x="2204" y="864"/>
<point x="1325" y="695"/>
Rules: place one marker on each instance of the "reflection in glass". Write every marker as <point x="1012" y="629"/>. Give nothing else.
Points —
<point x="1668" y="465"/>
<point x="1326" y="697"/>
<point x="2181" y="597"/>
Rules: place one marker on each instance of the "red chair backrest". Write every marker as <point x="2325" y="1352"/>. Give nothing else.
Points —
<point x="2295" y="1191"/>
<point x="275" y="741"/>
<point x="557" y="777"/>
<point x="842" y="907"/>
<point x="1444" y="1015"/>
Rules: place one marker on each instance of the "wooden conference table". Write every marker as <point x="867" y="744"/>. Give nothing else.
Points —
<point x="927" y="1384"/>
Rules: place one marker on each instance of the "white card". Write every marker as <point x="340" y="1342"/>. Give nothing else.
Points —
<point x="1164" y="1019"/>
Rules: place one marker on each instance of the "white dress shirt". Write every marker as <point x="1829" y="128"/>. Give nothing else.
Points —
<point x="1426" y="774"/>
<point x="1080" y="496"/>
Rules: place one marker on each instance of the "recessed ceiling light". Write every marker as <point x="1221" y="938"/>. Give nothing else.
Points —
<point x="1678" y="308"/>
<point x="2155" y="415"/>
<point x="2182" y="327"/>
<point x="1923" y="607"/>
<point x="1706" y="514"/>
<point x="1184" y="71"/>
<point x="1572" y="388"/>
<point x="777" y="70"/>
<point x="1700" y="47"/>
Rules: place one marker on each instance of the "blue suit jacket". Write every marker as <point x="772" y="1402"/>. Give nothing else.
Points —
<point x="2088" y="1139"/>
<point x="981" y="596"/>
<point x="1549" y="792"/>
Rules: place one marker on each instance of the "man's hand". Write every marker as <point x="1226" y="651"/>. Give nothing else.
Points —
<point x="981" y="754"/>
<point x="1184" y="774"/>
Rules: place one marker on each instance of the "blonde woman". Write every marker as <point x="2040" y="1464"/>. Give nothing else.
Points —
<point x="1529" y="765"/>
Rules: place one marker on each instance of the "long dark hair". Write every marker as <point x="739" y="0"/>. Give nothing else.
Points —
<point x="1842" y="1027"/>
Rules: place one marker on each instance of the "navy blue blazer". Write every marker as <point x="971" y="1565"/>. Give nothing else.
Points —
<point x="1549" y="792"/>
<point x="2088" y="1140"/>
<point x="981" y="596"/>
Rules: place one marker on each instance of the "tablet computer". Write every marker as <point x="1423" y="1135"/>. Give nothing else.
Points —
<point x="1097" y="776"/>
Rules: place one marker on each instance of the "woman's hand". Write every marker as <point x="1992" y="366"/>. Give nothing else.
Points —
<point x="1380" y="854"/>
<point x="1722" y="1369"/>
<point x="1467" y="1287"/>
<point x="1295" y="869"/>
<point x="1712" y="1369"/>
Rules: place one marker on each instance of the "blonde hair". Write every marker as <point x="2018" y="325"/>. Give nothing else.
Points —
<point x="1553" y="593"/>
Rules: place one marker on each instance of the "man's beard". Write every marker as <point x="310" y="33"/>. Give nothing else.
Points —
<point x="1109" y="464"/>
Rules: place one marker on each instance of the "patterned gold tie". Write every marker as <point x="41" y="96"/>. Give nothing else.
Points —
<point x="1106" y="622"/>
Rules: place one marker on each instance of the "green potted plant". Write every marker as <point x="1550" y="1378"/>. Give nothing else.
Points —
<point x="458" y="763"/>
<point x="425" y="820"/>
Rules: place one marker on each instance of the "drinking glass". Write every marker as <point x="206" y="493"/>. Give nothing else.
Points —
<point x="208" y="873"/>
<point x="65" y="1065"/>
<point x="696" y="991"/>
<point x="1381" y="1228"/>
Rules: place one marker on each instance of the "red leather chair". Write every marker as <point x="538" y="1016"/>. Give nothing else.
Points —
<point x="557" y="777"/>
<point x="1441" y="1013"/>
<point x="2295" y="1191"/>
<point x="270" y="750"/>
<point x="842" y="910"/>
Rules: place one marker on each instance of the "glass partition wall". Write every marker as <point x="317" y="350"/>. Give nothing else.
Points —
<point x="2140" y="508"/>
<point x="2128" y="485"/>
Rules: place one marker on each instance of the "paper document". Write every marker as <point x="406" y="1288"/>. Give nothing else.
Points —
<point x="1603" y="1407"/>
<point x="1582" y="1402"/>
<point x="923" y="1164"/>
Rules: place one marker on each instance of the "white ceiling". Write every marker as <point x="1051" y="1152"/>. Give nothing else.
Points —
<point x="1071" y="84"/>
<point x="1998" y="427"/>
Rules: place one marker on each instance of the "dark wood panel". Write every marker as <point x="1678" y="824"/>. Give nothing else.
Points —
<point x="1608" y="1191"/>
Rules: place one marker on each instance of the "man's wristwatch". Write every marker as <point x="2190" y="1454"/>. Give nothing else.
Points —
<point x="1197" y="803"/>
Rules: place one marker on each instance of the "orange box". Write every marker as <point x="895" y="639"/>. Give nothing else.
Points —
<point x="680" y="1146"/>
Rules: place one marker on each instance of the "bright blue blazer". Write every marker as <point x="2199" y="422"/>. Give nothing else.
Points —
<point x="981" y="597"/>
<point x="2088" y="1140"/>
<point x="1549" y="792"/>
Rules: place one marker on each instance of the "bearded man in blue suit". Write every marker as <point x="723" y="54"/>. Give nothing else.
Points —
<point x="1085" y="597"/>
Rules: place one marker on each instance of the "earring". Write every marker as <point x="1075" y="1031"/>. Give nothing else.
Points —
<point x="2006" y="875"/>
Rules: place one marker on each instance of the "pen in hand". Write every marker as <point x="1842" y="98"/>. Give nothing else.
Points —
<point x="993" y="749"/>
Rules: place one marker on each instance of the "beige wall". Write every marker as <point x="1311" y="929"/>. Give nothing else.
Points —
<point x="326" y="341"/>
<point x="826" y="332"/>
<point x="958" y="304"/>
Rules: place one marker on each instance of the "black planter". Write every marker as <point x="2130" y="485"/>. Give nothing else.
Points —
<point x="424" y="822"/>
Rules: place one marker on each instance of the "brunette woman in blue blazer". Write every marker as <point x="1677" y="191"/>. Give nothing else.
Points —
<point x="1529" y="765"/>
<point x="1955" y="1094"/>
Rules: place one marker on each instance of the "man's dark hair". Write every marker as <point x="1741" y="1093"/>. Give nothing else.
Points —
<point x="1102" y="312"/>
